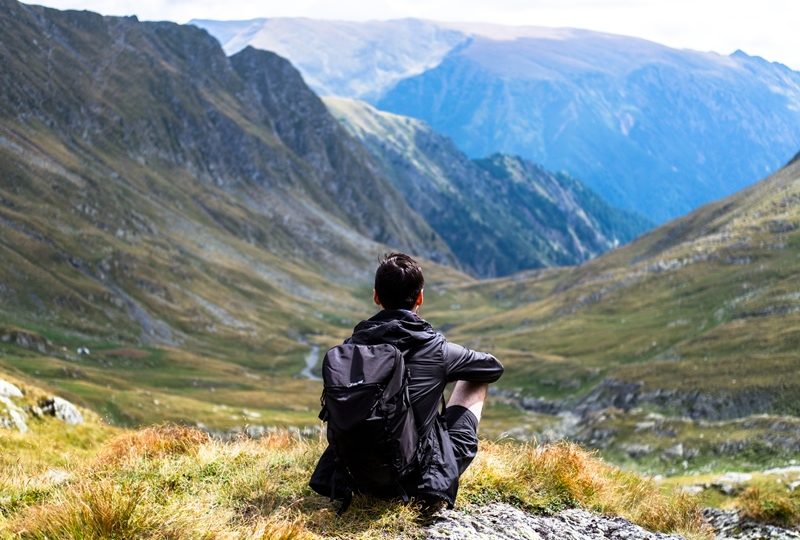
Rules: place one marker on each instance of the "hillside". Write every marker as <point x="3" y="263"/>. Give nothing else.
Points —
<point x="65" y="480"/>
<point x="498" y="215"/>
<point x="689" y="335"/>
<point x="88" y="480"/>
<point x="200" y="223"/>
<point x="655" y="130"/>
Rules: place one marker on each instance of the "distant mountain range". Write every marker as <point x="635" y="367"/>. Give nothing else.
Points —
<point x="498" y="215"/>
<point x="651" y="129"/>
<point x="154" y="189"/>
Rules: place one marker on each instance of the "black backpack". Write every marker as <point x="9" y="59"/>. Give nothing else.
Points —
<point x="371" y="425"/>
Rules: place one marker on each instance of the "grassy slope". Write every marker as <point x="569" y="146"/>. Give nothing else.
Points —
<point x="705" y="303"/>
<point x="174" y="482"/>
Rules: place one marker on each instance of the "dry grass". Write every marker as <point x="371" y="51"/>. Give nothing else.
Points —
<point x="551" y="477"/>
<point x="779" y="509"/>
<point x="153" y="442"/>
<point x="174" y="482"/>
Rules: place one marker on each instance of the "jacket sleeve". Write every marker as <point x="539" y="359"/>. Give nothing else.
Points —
<point x="462" y="364"/>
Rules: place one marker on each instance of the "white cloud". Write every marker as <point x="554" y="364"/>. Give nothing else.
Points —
<point x="766" y="28"/>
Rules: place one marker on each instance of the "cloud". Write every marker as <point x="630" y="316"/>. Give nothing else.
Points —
<point x="766" y="28"/>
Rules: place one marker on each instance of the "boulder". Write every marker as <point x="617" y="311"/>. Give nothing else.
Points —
<point x="61" y="409"/>
<point x="11" y="416"/>
<point x="9" y="390"/>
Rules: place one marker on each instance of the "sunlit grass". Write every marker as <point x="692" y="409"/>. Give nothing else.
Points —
<point x="176" y="482"/>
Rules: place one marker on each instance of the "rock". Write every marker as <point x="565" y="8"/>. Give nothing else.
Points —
<point x="36" y="411"/>
<point x="14" y="417"/>
<point x="736" y="477"/>
<point x="61" y="409"/>
<point x="731" y="483"/>
<point x="54" y="476"/>
<point x="728" y="525"/>
<point x="692" y="490"/>
<point x="636" y="450"/>
<point x="28" y="340"/>
<point x="673" y="452"/>
<point x="505" y="522"/>
<point x="610" y="393"/>
<point x="9" y="390"/>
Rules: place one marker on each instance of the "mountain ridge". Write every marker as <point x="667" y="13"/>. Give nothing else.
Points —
<point x="649" y="128"/>
<point x="500" y="214"/>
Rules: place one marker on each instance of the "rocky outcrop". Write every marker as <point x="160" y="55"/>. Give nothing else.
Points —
<point x="28" y="340"/>
<point x="728" y="525"/>
<point x="11" y="415"/>
<point x="500" y="521"/>
<point x="9" y="390"/>
<point x="610" y="393"/>
<point x="61" y="409"/>
<point x="695" y="404"/>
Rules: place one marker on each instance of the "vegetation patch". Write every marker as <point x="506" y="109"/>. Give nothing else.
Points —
<point x="175" y="482"/>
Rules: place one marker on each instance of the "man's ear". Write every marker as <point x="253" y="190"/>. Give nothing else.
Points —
<point x="375" y="298"/>
<point x="420" y="298"/>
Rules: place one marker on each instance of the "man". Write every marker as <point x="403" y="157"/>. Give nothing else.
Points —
<point x="448" y="443"/>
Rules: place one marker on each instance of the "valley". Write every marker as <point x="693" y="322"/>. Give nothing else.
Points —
<point x="205" y="226"/>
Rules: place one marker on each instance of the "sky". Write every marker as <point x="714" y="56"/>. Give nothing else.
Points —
<point x="765" y="28"/>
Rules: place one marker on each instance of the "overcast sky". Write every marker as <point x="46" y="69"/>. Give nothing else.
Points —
<point x="767" y="28"/>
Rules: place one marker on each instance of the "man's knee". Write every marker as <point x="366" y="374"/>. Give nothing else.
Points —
<point x="469" y="395"/>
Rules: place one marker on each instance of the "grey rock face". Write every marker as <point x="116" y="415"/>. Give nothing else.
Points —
<point x="62" y="409"/>
<point x="729" y="526"/>
<point x="11" y="416"/>
<point x="502" y="521"/>
<point x="9" y="390"/>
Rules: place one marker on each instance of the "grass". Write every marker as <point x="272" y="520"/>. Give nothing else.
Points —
<point x="765" y="497"/>
<point x="175" y="482"/>
<point x="772" y="506"/>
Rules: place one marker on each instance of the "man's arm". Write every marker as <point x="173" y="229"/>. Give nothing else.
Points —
<point x="462" y="364"/>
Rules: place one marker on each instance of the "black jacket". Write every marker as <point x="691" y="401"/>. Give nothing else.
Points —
<point x="432" y="363"/>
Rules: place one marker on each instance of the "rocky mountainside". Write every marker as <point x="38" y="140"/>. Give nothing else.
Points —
<point x="498" y="215"/>
<point x="649" y="128"/>
<point x="140" y="165"/>
<point x="199" y="223"/>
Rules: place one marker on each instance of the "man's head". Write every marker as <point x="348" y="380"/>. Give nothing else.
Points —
<point x="398" y="282"/>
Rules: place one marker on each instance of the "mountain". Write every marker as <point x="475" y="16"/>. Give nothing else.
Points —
<point x="197" y="222"/>
<point x="340" y="58"/>
<point x="498" y="215"/>
<point x="651" y="129"/>
<point x="687" y="335"/>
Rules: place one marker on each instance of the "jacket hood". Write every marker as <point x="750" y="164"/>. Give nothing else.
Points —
<point x="399" y="327"/>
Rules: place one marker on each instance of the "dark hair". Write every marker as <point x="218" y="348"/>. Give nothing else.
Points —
<point x="398" y="281"/>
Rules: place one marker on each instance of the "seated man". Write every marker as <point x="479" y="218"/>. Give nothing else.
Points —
<point x="447" y="442"/>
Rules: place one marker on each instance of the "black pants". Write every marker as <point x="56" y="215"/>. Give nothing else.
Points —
<point x="462" y="425"/>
